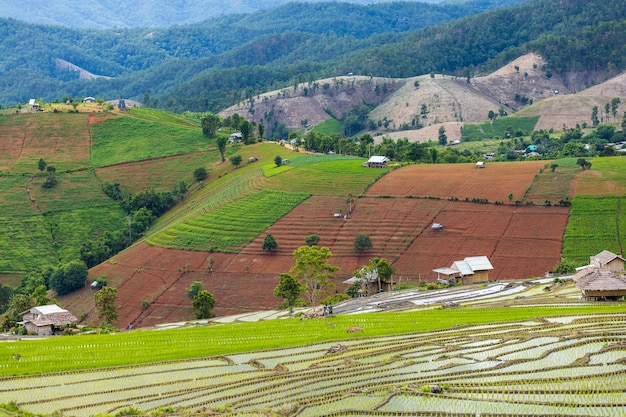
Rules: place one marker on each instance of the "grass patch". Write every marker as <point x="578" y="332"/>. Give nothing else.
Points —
<point x="97" y="351"/>
<point x="73" y="191"/>
<point x="328" y="127"/>
<point x="498" y="128"/>
<point x="227" y="228"/>
<point x="26" y="244"/>
<point x="129" y="139"/>
<point x="554" y="185"/>
<point x="330" y="177"/>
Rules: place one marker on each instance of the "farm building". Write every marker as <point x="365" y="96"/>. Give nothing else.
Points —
<point x="376" y="162"/>
<point x="43" y="320"/>
<point x="473" y="269"/>
<point x="34" y="106"/>
<point x="370" y="282"/>
<point x="89" y="100"/>
<point x="447" y="275"/>
<point x="235" y="137"/>
<point x="607" y="259"/>
<point x="600" y="283"/>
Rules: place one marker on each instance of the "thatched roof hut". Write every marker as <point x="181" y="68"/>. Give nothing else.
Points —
<point x="600" y="283"/>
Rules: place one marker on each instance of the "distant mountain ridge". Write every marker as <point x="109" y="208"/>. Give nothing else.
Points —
<point x="103" y="14"/>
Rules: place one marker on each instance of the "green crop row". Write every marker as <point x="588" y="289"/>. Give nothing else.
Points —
<point x="97" y="351"/>
<point x="229" y="227"/>
<point x="25" y="244"/>
<point x="595" y="224"/>
<point x="128" y="139"/>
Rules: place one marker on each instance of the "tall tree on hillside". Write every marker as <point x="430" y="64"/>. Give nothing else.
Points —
<point x="290" y="289"/>
<point x="269" y="243"/>
<point x="615" y="101"/>
<point x="443" y="139"/>
<point x="362" y="243"/>
<point x="210" y="123"/>
<point x="594" y="116"/>
<point x="245" y="127"/>
<point x="221" y="146"/>
<point x="105" y="300"/>
<point x="41" y="164"/>
<point x="313" y="271"/>
<point x="261" y="129"/>
<point x="235" y="160"/>
<point x="203" y="303"/>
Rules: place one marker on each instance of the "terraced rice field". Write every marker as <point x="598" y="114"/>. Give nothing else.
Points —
<point x="571" y="367"/>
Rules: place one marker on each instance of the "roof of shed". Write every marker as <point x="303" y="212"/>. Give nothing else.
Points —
<point x="602" y="279"/>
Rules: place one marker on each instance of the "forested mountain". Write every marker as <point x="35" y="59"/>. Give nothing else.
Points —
<point x="214" y="64"/>
<point x="143" y="13"/>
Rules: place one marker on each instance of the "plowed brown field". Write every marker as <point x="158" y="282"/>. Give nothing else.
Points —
<point x="494" y="182"/>
<point x="521" y="242"/>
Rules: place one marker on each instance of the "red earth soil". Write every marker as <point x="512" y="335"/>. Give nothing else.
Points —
<point x="495" y="182"/>
<point x="521" y="242"/>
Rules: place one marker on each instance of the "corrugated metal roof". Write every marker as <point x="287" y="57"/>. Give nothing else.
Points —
<point x="479" y="263"/>
<point x="470" y="265"/>
<point x="49" y="309"/>
<point x="378" y="159"/>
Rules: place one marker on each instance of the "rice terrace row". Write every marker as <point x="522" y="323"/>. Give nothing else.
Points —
<point x="556" y="365"/>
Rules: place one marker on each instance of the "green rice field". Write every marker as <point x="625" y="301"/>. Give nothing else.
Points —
<point x="505" y="362"/>
<point x="227" y="228"/>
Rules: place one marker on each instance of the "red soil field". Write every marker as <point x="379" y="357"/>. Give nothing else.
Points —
<point x="521" y="242"/>
<point x="494" y="182"/>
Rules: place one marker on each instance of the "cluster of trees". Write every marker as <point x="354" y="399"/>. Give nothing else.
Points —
<point x="142" y="209"/>
<point x="33" y="289"/>
<point x="202" y="300"/>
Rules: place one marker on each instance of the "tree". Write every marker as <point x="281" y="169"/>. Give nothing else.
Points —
<point x="261" y="130"/>
<point x="443" y="139"/>
<point x="278" y="160"/>
<point x="614" y="105"/>
<point x="594" y="116"/>
<point x="210" y="123"/>
<point x="69" y="277"/>
<point x="245" y="127"/>
<point x="362" y="243"/>
<point x="221" y="146"/>
<point x="18" y="303"/>
<point x="313" y="271"/>
<point x="51" y="179"/>
<point x="193" y="290"/>
<point x="354" y="289"/>
<point x="41" y="164"/>
<point x="200" y="173"/>
<point x="312" y="240"/>
<point x="269" y="243"/>
<point x="203" y="303"/>
<point x="492" y="115"/>
<point x="105" y="300"/>
<point x="236" y="160"/>
<point x="583" y="163"/>
<point x="290" y="289"/>
<point x="553" y="166"/>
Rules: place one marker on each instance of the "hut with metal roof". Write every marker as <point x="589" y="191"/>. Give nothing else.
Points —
<point x="473" y="269"/>
<point x="44" y="320"/>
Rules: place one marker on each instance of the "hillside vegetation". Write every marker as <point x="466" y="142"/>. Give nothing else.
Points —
<point x="220" y="62"/>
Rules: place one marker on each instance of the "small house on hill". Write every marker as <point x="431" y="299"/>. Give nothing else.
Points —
<point x="89" y="100"/>
<point x="376" y="162"/>
<point x="600" y="283"/>
<point x="34" y="106"/>
<point x="44" y="320"/>
<point x="236" y="137"/>
<point x="473" y="269"/>
<point x="607" y="259"/>
<point x="370" y="282"/>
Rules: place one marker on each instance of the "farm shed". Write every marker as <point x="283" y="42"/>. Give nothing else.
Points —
<point x="236" y="137"/>
<point x="370" y="282"/>
<point x="473" y="269"/>
<point x="607" y="259"/>
<point x="447" y="275"/>
<point x="600" y="283"/>
<point x="89" y="100"/>
<point x="376" y="162"/>
<point x="34" y="106"/>
<point x="480" y="164"/>
<point x="42" y="320"/>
